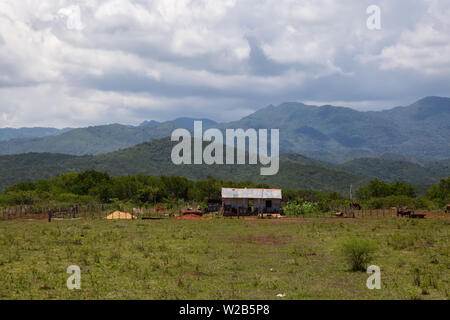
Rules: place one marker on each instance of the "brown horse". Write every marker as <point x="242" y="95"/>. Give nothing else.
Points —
<point x="355" y="205"/>
<point x="447" y="209"/>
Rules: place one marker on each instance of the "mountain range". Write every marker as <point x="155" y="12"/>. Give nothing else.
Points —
<point x="329" y="133"/>
<point x="339" y="134"/>
<point x="36" y="132"/>
<point x="87" y="141"/>
<point x="322" y="148"/>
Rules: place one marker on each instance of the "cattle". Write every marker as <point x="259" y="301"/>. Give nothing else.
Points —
<point x="355" y="205"/>
<point x="404" y="211"/>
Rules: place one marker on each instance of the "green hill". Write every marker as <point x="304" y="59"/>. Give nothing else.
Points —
<point x="153" y="158"/>
<point x="390" y="170"/>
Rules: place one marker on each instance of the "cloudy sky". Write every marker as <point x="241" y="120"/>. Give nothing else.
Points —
<point x="87" y="62"/>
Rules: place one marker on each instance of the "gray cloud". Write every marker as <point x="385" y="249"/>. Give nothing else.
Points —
<point x="76" y="63"/>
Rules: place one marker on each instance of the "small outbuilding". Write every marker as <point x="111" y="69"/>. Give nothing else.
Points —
<point x="250" y="201"/>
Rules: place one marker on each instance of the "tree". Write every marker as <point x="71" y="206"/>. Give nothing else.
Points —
<point x="440" y="192"/>
<point x="148" y="194"/>
<point x="403" y="189"/>
<point x="88" y="180"/>
<point x="381" y="189"/>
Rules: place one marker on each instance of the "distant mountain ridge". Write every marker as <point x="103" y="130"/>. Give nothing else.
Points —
<point x="339" y="134"/>
<point x="36" y="132"/>
<point x="97" y="139"/>
<point x="187" y="123"/>
<point x="91" y="140"/>
<point x="333" y="134"/>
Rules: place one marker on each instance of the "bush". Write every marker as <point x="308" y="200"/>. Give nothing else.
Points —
<point x="71" y="199"/>
<point x="294" y="209"/>
<point x="440" y="193"/>
<point x="358" y="252"/>
<point x="326" y="205"/>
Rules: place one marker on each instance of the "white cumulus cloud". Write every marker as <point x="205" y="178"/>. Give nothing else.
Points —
<point x="75" y="63"/>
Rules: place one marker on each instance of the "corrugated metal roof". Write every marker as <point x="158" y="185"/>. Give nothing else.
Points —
<point x="236" y="193"/>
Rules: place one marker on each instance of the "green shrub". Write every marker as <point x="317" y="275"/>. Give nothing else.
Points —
<point x="440" y="193"/>
<point x="70" y="198"/>
<point x="294" y="209"/>
<point x="358" y="252"/>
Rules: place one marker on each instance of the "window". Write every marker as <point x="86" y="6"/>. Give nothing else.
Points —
<point x="268" y="203"/>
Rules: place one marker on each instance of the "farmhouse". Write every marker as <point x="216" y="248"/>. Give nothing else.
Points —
<point x="236" y="201"/>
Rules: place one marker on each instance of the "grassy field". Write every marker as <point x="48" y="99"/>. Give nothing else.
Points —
<point x="222" y="258"/>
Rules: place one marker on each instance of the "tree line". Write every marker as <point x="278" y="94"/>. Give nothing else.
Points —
<point x="145" y="190"/>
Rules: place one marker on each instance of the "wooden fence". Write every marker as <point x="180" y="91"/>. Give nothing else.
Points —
<point x="99" y="211"/>
<point x="367" y="213"/>
<point x="88" y="211"/>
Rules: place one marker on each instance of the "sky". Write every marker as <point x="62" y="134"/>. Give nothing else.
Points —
<point x="89" y="62"/>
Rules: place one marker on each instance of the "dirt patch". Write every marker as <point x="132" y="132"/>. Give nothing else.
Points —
<point x="435" y="215"/>
<point x="190" y="217"/>
<point x="262" y="239"/>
